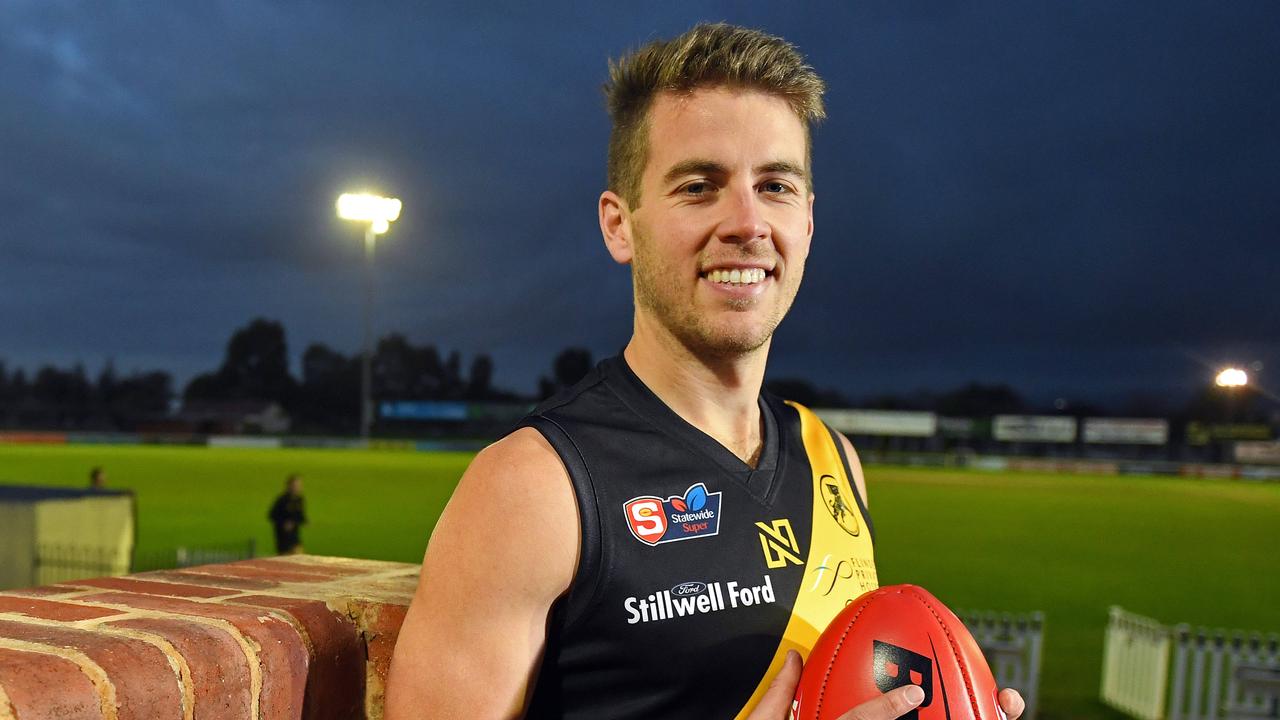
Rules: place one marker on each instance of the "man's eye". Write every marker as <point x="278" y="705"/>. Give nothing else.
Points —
<point x="775" y="187"/>
<point x="697" y="188"/>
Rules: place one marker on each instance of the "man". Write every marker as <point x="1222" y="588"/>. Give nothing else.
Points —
<point x="667" y="541"/>
<point x="97" y="478"/>
<point x="287" y="517"/>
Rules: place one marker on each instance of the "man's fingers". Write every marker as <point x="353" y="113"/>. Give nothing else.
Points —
<point x="893" y="704"/>
<point x="1011" y="703"/>
<point x="776" y="703"/>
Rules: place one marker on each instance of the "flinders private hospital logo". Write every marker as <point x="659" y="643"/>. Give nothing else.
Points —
<point x="654" y="521"/>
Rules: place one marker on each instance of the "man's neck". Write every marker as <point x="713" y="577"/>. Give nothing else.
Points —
<point x="718" y="395"/>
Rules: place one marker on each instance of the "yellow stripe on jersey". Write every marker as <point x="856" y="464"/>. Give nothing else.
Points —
<point x="840" y="564"/>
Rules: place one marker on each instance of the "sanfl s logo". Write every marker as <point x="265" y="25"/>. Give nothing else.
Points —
<point x="778" y="541"/>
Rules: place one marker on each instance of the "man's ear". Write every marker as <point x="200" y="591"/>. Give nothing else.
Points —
<point x="811" y="198"/>
<point x="615" y="226"/>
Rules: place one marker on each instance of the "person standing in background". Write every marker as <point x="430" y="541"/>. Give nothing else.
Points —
<point x="288" y="516"/>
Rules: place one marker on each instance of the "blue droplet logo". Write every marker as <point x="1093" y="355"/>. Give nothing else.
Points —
<point x="696" y="497"/>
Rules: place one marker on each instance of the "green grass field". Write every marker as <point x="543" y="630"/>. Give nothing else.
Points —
<point x="1196" y="551"/>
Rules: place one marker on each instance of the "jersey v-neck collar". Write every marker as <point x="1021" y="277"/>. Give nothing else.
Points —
<point x="758" y="481"/>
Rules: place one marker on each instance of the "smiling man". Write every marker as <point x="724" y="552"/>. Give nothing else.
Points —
<point x="673" y="540"/>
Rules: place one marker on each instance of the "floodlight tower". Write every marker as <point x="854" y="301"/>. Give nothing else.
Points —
<point x="378" y="212"/>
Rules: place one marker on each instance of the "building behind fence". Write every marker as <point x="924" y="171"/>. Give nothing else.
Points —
<point x="1156" y="672"/>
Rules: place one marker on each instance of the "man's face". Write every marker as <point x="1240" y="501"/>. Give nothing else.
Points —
<point x="724" y="220"/>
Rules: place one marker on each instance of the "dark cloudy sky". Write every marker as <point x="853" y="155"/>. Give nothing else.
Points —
<point x="1078" y="198"/>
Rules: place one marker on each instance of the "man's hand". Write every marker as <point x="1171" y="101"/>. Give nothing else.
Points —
<point x="776" y="703"/>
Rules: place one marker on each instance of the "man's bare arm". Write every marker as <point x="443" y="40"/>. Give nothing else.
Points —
<point x="505" y="548"/>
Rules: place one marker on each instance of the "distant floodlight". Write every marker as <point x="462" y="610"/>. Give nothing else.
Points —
<point x="379" y="212"/>
<point x="1232" y="377"/>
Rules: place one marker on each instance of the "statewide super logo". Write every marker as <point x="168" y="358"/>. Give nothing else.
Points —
<point x="680" y="517"/>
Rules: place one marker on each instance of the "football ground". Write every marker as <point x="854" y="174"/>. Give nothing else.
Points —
<point x="1204" y="552"/>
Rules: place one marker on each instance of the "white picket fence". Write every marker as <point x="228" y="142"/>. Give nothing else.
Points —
<point x="1155" y="672"/>
<point x="1012" y="645"/>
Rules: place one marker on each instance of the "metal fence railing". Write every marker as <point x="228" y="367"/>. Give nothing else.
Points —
<point x="55" y="563"/>
<point x="1012" y="645"/>
<point x="1156" y="672"/>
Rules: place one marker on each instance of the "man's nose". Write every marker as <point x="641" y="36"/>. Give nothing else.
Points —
<point x="743" y="221"/>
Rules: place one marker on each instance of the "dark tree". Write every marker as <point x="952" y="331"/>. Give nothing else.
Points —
<point x="978" y="400"/>
<point x="330" y="395"/>
<point x="144" y="394"/>
<point x="570" y="366"/>
<point x="805" y="393"/>
<point x="396" y="371"/>
<point x="480" y="382"/>
<point x="1228" y="405"/>
<point x="452" y="384"/>
<point x="256" y="367"/>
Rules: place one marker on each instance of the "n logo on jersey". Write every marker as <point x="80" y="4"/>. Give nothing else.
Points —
<point x="654" y="521"/>
<point x="778" y="541"/>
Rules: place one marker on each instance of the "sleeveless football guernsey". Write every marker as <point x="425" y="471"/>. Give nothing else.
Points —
<point x="697" y="572"/>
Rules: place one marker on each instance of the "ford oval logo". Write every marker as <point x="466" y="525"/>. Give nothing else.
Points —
<point x="689" y="588"/>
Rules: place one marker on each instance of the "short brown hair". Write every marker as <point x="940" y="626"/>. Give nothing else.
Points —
<point x="708" y="55"/>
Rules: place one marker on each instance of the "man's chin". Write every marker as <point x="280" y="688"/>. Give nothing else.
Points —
<point x="728" y="343"/>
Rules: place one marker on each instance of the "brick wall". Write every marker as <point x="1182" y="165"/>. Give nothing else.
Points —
<point x="293" y="637"/>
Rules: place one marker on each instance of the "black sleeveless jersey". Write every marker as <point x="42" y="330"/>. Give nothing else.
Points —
<point x="697" y="572"/>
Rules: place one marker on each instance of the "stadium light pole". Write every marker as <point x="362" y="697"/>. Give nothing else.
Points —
<point x="379" y="213"/>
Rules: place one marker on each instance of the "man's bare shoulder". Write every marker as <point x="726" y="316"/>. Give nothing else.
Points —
<point x="499" y="511"/>
<point x="855" y="465"/>
<point x="524" y="452"/>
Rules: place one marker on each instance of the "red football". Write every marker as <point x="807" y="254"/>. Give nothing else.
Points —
<point x="888" y="638"/>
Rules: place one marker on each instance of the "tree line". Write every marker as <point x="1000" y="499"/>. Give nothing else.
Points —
<point x="255" y="369"/>
<point x="326" y="395"/>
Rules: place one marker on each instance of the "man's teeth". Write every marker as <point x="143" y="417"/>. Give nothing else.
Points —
<point x="749" y="276"/>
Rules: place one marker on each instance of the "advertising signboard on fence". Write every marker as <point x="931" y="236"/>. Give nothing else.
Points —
<point x="1202" y="434"/>
<point x="958" y="427"/>
<point x="451" y="411"/>
<point x="1034" y="428"/>
<point x="897" y="423"/>
<point x="1126" y="431"/>
<point x="1265" y="453"/>
<point x="423" y="410"/>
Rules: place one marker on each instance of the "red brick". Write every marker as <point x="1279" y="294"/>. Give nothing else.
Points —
<point x="273" y="572"/>
<point x="47" y="687"/>
<point x="220" y="677"/>
<point x="148" y="587"/>
<point x="146" y="686"/>
<point x="360" y="565"/>
<point x="335" y="683"/>
<point x="50" y="610"/>
<point x="283" y="654"/>
<point x="207" y="576"/>
<point x="380" y="624"/>
<point x="300" y="565"/>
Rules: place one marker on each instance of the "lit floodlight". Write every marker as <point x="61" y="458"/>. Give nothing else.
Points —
<point x="1231" y="378"/>
<point x="379" y="212"/>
